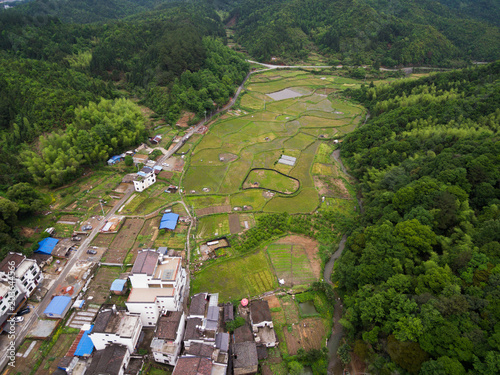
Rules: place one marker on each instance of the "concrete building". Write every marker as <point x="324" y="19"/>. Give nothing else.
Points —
<point x="11" y="299"/>
<point x="158" y="283"/>
<point x="116" y="327"/>
<point x="144" y="179"/>
<point x="203" y="319"/>
<point x="26" y="272"/>
<point x="167" y="340"/>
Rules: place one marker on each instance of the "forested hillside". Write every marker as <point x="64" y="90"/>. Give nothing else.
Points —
<point x="61" y="110"/>
<point x="367" y="31"/>
<point x="421" y="278"/>
<point x="87" y="11"/>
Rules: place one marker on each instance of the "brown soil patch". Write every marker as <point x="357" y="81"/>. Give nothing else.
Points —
<point x="103" y="240"/>
<point x="165" y="175"/>
<point x="331" y="187"/>
<point x="122" y="188"/>
<point x="234" y="223"/>
<point x="124" y="240"/>
<point x="99" y="287"/>
<point x="213" y="210"/>
<point x="307" y="334"/>
<point x="185" y="118"/>
<point x="69" y="218"/>
<point x="311" y="248"/>
<point x="27" y="232"/>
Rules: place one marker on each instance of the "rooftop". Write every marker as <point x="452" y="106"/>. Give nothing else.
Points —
<point x="167" y="325"/>
<point x="198" y="304"/>
<point x="228" y="312"/>
<point x="222" y="341"/>
<point x="119" y="323"/>
<point x="192" y="332"/>
<point x="145" y="263"/>
<point x="167" y="269"/>
<point x="259" y="311"/>
<point x="245" y="354"/>
<point x="243" y="334"/>
<point x="149" y="294"/>
<point x="193" y="366"/>
<point x="201" y="350"/>
<point x="107" y="361"/>
<point x="11" y="257"/>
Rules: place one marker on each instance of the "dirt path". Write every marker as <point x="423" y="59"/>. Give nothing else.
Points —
<point x="335" y="366"/>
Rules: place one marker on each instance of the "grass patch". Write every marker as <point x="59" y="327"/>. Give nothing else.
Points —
<point x="252" y="198"/>
<point x="207" y="201"/>
<point x="270" y="179"/>
<point x="213" y="226"/>
<point x="299" y="141"/>
<point x="246" y="276"/>
<point x="197" y="178"/>
<point x="305" y="201"/>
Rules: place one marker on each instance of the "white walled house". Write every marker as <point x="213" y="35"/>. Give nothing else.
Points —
<point x="158" y="283"/>
<point x="26" y="272"/>
<point x="144" y="179"/>
<point x="116" y="327"/>
<point x="167" y="340"/>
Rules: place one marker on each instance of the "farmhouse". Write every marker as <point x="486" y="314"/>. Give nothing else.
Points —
<point x="203" y="319"/>
<point x="144" y="179"/>
<point x="167" y="340"/>
<point x="158" y="283"/>
<point x="111" y="360"/>
<point x="155" y="140"/>
<point x="262" y="323"/>
<point x="193" y="366"/>
<point x="169" y="221"/>
<point x="116" y="327"/>
<point x="115" y="159"/>
<point x="245" y="358"/>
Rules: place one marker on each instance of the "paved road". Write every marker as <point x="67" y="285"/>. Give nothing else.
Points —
<point x="24" y="328"/>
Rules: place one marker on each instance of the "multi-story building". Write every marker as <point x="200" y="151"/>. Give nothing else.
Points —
<point x="158" y="283"/>
<point x="116" y="327"/>
<point x="25" y="271"/>
<point x="113" y="359"/>
<point x="144" y="179"/>
<point x="262" y="323"/>
<point x="167" y="340"/>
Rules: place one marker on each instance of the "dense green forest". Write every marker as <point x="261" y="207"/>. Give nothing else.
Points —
<point x="420" y="278"/>
<point x="367" y="31"/>
<point x="62" y="88"/>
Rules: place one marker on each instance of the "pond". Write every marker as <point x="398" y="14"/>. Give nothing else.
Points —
<point x="307" y="308"/>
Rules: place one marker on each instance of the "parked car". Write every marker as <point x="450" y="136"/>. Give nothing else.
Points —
<point x="93" y="252"/>
<point x="24" y="311"/>
<point x="17" y="319"/>
<point x="87" y="227"/>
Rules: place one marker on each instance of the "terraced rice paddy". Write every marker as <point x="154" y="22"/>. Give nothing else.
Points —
<point x="288" y="112"/>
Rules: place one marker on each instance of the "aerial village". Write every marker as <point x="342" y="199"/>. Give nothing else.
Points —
<point x="142" y="268"/>
<point x="191" y="335"/>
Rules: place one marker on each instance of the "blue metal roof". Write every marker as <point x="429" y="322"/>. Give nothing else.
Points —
<point x="85" y="346"/>
<point x="118" y="285"/>
<point x="169" y="221"/>
<point x="57" y="305"/>
<point x="46" y="245"/>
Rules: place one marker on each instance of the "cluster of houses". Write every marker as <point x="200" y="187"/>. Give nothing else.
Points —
<point x="194" y="341"/>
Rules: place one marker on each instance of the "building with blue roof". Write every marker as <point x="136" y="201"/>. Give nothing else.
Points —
<point x="85" y="346"/>
<point x="46" y="245"/>
<point x="169" y="221"/>
<point x="115" y="159"/>
<point x="119" y="286"/>
<point x="58" y="307"/>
